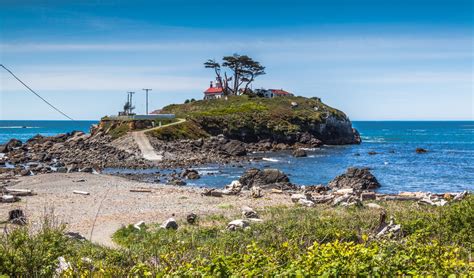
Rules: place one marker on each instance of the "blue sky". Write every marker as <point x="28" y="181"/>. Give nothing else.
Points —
<point x="375" y="60"/>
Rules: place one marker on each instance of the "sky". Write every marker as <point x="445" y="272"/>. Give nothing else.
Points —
<point x="372" y="59"/>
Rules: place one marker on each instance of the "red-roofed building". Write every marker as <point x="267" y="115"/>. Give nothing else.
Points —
<point x="214" y="92"/>
<point x="271" y="93"/>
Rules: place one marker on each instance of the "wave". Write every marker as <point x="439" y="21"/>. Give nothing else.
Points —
<point x="17" y="127"/>
<point x="270" y="159"/>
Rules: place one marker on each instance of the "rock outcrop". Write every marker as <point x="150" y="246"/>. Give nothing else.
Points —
<point x="266" y="178"/>
<point x="355" y="178"/>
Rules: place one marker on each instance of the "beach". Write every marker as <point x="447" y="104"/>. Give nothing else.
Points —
<point x="118" y="206"/>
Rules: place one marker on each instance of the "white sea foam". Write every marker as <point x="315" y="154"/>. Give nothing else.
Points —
<point x="18" y="127"/>
<point x="270" y="159"/>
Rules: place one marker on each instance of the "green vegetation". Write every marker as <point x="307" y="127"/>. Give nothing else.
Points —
<point x="186" y="130"/>
<point x="292" y="241"/>
<point x="253" y="118"/>
<point x="118" y="129"/>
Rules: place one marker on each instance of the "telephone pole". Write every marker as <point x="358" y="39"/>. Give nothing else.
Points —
<point x="131" y="104"/>
<point x="146" y="90"/>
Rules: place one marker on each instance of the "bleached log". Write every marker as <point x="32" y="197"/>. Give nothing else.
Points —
<point x="81" y="192"/>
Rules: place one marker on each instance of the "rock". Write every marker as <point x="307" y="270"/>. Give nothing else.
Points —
<point x="61" y="170"/>
<point x="212" y="192"/>
<point x="233" y="188"/>
<point x="420" y="150"/>
<point x="63" y="266"/>
<point x="191" y="218"/>
<point x="170" y="223"/>
<point x="87" y="170"/>
<point x="190" y="174"/>
<point x="300" y="153"/>
<point x="11" y="145"/>
<point x="355" y="178"/>
<point x="341" y="199"/>
<point x="322" y="199"/>
<point x="367" y="196"/>
<point x="74" y="235"/>
<point x="305" y="202"/>
<point x="372" y="153"/>
<point x="267" y="178"/>
<point x="296" y="197"/>
<point x="234" y="148"/>
<point x="17" y="216"/>
<point x="177" y="182"/>
<point x="460" y="196"/>
<point x="248" y="212"/>
<point x="25" y="172"/>
<point x="256" y="192"/>
<point x="237" y="225"/>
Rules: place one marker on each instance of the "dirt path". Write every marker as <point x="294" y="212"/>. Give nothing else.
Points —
<point x="147" y="150"/>
<point x="119" y="206"/>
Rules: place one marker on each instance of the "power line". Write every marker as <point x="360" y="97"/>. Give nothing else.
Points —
<point x="31" y="90"/>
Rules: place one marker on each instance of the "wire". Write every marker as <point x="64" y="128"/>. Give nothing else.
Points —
<point x="31" y="90"/>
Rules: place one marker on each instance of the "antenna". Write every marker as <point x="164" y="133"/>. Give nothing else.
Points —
<point x="146" y="90"/>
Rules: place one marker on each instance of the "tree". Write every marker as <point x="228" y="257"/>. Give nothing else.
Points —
<point x="242" y="70"/>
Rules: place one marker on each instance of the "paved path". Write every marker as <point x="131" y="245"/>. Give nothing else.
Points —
<point x="147" y="150"/>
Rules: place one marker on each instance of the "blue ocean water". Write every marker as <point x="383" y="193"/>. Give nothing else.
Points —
<point x="24" y="130"/>
<point x="448" y="166"/>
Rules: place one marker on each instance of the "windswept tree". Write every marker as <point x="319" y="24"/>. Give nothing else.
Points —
<point x="242" y="72"/>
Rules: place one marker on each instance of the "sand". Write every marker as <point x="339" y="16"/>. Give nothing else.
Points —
<point x="118" y="206"/>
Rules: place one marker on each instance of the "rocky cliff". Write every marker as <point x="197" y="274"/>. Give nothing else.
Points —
<point x="287" y="120"/>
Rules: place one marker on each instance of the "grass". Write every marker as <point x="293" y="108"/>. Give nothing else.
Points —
<point x="250" y="119"/>
<point x="292" y="241"/>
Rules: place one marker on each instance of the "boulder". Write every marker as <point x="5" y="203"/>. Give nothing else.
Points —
<point x="190" y="174"/>
<point x="11" y="145"/>
<point x="248" y="212"/>
<point x="233" y="188"/>
<point x="237" y="225"/>
<point x="266" y="178"/>
<point x="355" y="178"/>
<point x="17" y="216"/>
<point x="170" y="223"/>
<point x="191" y="218"/>
<point x="233" y="148"/>
<point x="306" y="203"/>
<point x="300" y="153"/>
<point x="421" y="150"/>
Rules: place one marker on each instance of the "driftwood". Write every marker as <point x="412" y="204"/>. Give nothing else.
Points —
<point x="401" y="198"/>
<point x="211" y="192"/>
<point x="19" y="192"/>
<point x="9" y="199"/>
<point x="141" y="190"/>
<point x="81" y="192"/>
<point x="17" y="216"/>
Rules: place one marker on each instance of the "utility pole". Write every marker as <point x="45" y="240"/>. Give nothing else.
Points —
<point x="146" y="90"/>
<point x="131" y="104"/>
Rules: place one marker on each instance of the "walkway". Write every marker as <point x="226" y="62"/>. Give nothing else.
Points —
<point x="147" y="150"/>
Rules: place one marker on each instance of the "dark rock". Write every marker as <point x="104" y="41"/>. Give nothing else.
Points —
<point x="372" y="153"/>
<point x="25" y="172"/>
<point x="87" y="170"/>
<point x="61" y="170"/>
<point x="11" y="145"/>
<point x="234" y="148"/>
<point x="170" y="223"/>
<point x="177" y="181"/>
<point x="17" y="216"/>
<point x="266" y="178"/>
<point x="190" y="174"/>
<point x="356" y="178"/>
<point x="74" y="235"/>
<point x="191" y="218"/>
<point x="421" y="150"/>
<point x="300" y="153"/>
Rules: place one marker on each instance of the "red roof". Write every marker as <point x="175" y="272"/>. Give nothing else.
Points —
<point x="214" y="90"/>
<point x="280" y="92"/>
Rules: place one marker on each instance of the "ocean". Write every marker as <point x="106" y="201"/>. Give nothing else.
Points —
<point x="448" y="166"/>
